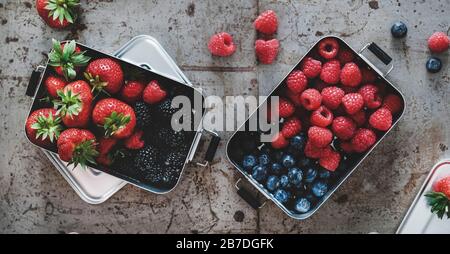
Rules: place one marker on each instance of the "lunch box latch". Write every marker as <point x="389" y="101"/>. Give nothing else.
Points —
<point x="34" y="80"/>
<point x="248" y="196"/>
<point x="381" y="55"/>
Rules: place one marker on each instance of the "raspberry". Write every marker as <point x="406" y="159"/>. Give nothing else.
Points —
<point x="279" y="141"/>
<point x="314" y="152"/>
<point x="370" y="96"/>
<point x="291" y="127"/>
<point x="331" y="72"/>
<point x="132" y="91"/>
<point x="320" y="85"/>
<point x="266" y="22"/>
<point x="368" y="75"/>
<point x="438" y="42"/>
<point x="349" y="89"/>
<point x="363" y="140"/>
<point x="297" y="81"/>
<point x="351" y="75"/>
<point x="153" y="93"/>
<point x="345" y="56"/>
<point x="294" y="97"/>
<point x="352" y="102"/>
<point x="332" y="97"/>
<point x="381" y="119"/>
<point x="359" y="118"/>
<point x="266" y="51"/>
<point x="285" y="108"/>
<point x="393" y="103"/>
<point x="328" y="48"/>
<point x="330" y="161"/>
<point x="320" y="137"/>
<point x="135" y="142"/>
<point x="343" y="127"/>
<point x="221" y="44"/>
<point x="311" y="67"/>
<point x="311" y="99"/>
<point x="321" y="117"/>
<point x="346" y="147"/>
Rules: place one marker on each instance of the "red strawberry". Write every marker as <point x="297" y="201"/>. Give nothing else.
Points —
<point x="291" y="127"/>
<point x="57" y="13"/>
<point x="105" y="146"/>
<point x="285" y="108"/>
<point x="67" y="58"/>
<point x="132" y="91"/>
<point x="381" y="119"/>
<point x="297" y="82"/>
<point x="279" y="141"/>
<point x="330" y="161"/>
<point x="320" y="137"/>
<point x="221" y="44"/>
<point x="321" y="117"/>
<point x="105" y="74"/>
<point x="75" y="103"/>
<point x="153" y="93"/>
<point x="117" y="118"/>
<point x="135" y="141"/>
<point x="53" y="84"/>
<point x="77" y="146"/>
<point x="267" y="22"/>
<point x="439" y="198"/>
<point x="42" y="127"/>
<point x="266" y="51"/>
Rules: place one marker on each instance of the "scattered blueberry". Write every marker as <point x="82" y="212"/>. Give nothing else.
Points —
<point x="302" y="205"/>
<point x="264" y="159"/>
<point x="278" y="156"/>
<point x="434" y="65"/>
<point x="281" y="195"/>
<point x="295" y="176"/>
<point x="284" y="181"/>
<point x="319" y="189"/>
<point x="249" y="162"/>
<point x="310" y="175"/>
<point x="298" y="142"/>
<point x="324" y="174"/>
<point x="273" y="182"/>
<point x="259" y="173"/>
<point x="399" y="29"/>
<point x="276" y="168"/>
<point x="288" y="161"/>
<point x="305" y="162"/>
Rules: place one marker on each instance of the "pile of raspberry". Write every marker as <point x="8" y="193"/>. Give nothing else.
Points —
<point x="338" y="101"/>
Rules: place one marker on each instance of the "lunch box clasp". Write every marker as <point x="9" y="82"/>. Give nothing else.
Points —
<point x="34" y="80"/>
<point x="246" y="195"/>
<point x="380" y="54"/>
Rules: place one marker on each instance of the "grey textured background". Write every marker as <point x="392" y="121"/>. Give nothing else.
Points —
<point x="35" y="198"/>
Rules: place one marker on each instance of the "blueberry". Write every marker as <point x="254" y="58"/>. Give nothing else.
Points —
<point x="434" y="65"/>
<point x="273" y="182"/>
<point x="305" y="162"/>
<point x="319" y="188"/>
<point x="310" y="175"/>
<point x="302" y="205"/>
<point x="294" y="152"/>
<point x="249" y="162"/>
<point x="324" y="174"/>
<point x="278" y="155"/>
<point x="295" y="176"/>
<point x="284" y="181"/>
<point x="298" y="142"/>
<point x="276" y="168"/>
<point x="259" y="173"/>
<point x="264" y="159"/>
<point x="288" y="161"/>
<point x="281" y="195"/>
<point x="399" y="29"/>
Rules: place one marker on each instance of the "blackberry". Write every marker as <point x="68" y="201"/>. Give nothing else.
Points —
<point x="143" y="113"/>
<point x="172" y="167"/>
<point x="165" y="109"/>
<point x="171" y="138"/>
<point x="146" y="159"/>
<point x="124" y="162"/>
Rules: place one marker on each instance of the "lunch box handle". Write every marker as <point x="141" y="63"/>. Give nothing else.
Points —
<point x="212" y="148"/>
<point x="34" y="80"/>
<point x="248" y="197"/>
<point x="380" y="54"/>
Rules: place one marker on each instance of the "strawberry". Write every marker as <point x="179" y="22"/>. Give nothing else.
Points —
<point x="439" y="198"/>
<point x="153" y="93"/>
<point x="77" y="147"/>
<point x="105" y="74"/>
<point x="132" y="91"/>
<point x="105" y="146"/>
<point x="74" y="104"/>
<point x="116" y="117"/>
<point x="53" y="84"/>
<point x="266" y="51"/>
<point x="135" y="141"/>
<point x="42" y="127"/>
<point x="57" y="13"/>
<point x="67" y="58"/>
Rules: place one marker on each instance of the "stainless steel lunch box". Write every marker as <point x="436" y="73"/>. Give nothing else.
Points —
<point x="95" y="185"/>
<point x="246" y="192"/>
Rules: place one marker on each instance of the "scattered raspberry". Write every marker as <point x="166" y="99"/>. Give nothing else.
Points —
<point x="153" y="93"/>
<point x="330" y="161"/>
<point x="381" y="119"/>
<point x="266" y="51"/>
<point x="135" y="142"/>
<point x="314" y="152"/>
<point x="321" y="117"/>
<point x="297" y="82"/>
<point x="221" y="44"/>
<point x="331" y="72"/>
<point x="311" y="67"/>
<point x="393" y="103"/>
<point x="320" y="85"/>
<point x="279" y="141"/>
<point x="368" y="75"/>
<point x="359" y="118"/>
<point x="438" y="42"/>
<point x="363" y="140"/>
<point x="343" y="127"/>
<point x="371" y="97"/>
<point x="345" y="56"/>
<point x="320" y="137"/>
<point x="132" y="91"/>
<point x="352" y="102"/>
<point x="291" y="127"/>
<point x="285" y="108"/>
<point x="104" y="147"/>
<point x="332" y="97"/>
<point x="351" y="75"/>
<point x="266" y="22"/>
<point x="311" y="99"/>
<point x="328" y="48"/>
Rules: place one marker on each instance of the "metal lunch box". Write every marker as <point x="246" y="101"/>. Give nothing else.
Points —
<point x="243" y="189"/>
<point x="95" y="185"/>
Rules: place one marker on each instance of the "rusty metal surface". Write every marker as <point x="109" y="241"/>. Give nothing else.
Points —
<point x="35" y="198"/>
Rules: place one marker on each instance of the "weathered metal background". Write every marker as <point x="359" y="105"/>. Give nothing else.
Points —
<point x="35" y="198"/>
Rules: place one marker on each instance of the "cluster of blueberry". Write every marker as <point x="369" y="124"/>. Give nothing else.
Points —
<point x="295" y="181"/>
